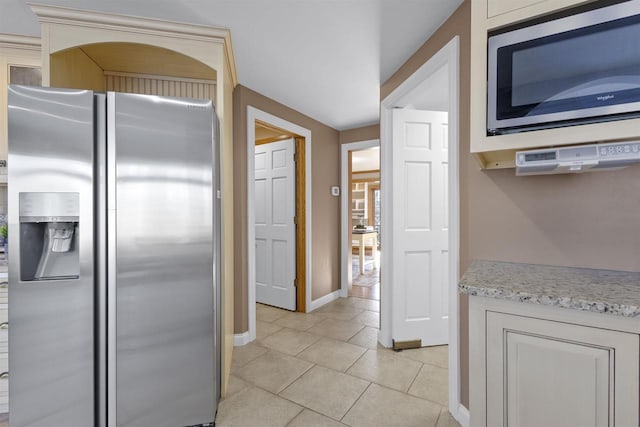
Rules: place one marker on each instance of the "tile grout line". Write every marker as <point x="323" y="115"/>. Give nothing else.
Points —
<point x="414" y="378"/>
<point x="355" y="402"/>
<point x="313" y="365"/>
<point x="437" y="419"/>
<point x="298" y="414"/>
<point x="283" y="354"/>
<point x="310" y="409"/>
<point x="366" y="350"/>
<point x="357" y="332"/>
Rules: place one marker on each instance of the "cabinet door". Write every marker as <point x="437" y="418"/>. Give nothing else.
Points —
<point x="553" y="374"/>
<point x="17" y="66"/>
<point x="4" y="383"/>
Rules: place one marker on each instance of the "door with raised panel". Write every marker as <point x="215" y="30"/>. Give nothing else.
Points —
<point x="553" y="374"/>
<point x="275" y="229"/>
<point x="420" y="192"/>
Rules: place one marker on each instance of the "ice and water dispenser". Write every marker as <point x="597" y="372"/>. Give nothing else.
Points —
<point x="49" y="236"/>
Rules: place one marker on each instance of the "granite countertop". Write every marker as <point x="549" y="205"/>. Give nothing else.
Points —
<point x="600" y="291"/>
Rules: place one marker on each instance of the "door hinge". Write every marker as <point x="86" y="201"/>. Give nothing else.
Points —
<point x="295" y="220"/>
<point x="295" y="156"/>
<point x="295" y="283"/>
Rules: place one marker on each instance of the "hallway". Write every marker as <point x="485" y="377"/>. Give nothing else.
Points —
<point x="326" y="369"/>
<point x="366" y="285"/>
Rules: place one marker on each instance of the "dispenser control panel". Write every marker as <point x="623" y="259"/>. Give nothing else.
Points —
<point x="49" y="207"/>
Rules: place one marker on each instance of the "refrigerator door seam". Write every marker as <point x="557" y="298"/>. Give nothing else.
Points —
<point x="100" y="242"/>
<point x="111" y="261"/>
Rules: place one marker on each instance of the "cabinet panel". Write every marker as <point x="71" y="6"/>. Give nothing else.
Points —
<point x="4" y="383"/>
<point x="498" y="7"/>
<point x="546" y="371"/>
<point x="27" y="76"/>
<point x="19" y="64"/>
<point x="557" y="374"/>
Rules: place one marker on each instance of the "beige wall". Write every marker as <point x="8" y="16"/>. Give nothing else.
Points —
<point x="588" y="220"/>
<point x="360" y="134"/>
<point x="325" y="216"/>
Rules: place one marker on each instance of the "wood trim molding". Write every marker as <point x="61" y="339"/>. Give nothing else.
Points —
<point x="64" y="15"/>
<point x="14" y="41"/>
<point x="275" y="129"/>
<point x="353" y="180"/>
<point x="157" y="27"/>
<point x="366" y="171"/>
<point x="254" y="114"/>
<point x="301" y="203"/>
<point x="273" y="139"/>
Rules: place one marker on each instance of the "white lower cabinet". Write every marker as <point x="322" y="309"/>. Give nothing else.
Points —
<point x="4" y="383"/>
<point x="4" y="358"/>
<point x="532" y="371"/>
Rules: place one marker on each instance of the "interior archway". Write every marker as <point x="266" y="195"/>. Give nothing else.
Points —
<point x="88" y="67"/>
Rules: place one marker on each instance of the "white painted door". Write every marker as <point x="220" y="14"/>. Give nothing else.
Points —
<point x="420" y="295"/>
<point x="275" y="228"/>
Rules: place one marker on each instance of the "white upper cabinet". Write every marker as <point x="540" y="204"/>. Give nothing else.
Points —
<point x="498" y="151"/>
<point x="498" y="7"/>
<point x="19" y="64"/>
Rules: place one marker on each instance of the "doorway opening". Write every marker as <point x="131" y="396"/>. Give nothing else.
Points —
<point x="420" y="213"/>
<point x="360" y="233"/>
<point x="279" y="217"/>
<point x="271" y="137"/>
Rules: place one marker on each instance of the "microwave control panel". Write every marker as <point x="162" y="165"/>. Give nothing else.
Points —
<point x="579" y="158"/>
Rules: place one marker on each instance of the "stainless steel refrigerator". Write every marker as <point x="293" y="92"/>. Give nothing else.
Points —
<point x="113" y="259"/>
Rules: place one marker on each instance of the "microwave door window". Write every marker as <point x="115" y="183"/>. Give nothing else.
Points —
<point x="590" y="67"/>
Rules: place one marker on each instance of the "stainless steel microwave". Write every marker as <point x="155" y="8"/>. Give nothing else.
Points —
<point x="581" y="68"/>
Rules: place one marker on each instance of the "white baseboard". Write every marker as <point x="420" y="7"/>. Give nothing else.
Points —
<point x="241" y="339"/>
<point x="462" y="416"/>
<point x="315" y="304"/>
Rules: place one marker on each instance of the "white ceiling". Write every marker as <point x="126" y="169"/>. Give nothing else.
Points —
<point x="324" y="58"/>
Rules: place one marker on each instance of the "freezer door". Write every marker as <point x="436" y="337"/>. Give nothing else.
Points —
<point x="51" y="271"/>
<point x="161" y="261"/>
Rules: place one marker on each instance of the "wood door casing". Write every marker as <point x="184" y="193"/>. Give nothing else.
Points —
<point x="269" y="134"/>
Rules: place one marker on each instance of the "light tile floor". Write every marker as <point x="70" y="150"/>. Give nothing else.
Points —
<point x="365" y="285"/>
<point x="326" y="369"/>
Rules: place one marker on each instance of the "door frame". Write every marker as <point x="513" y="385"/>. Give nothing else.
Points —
<point x="447" y="55"/>
<point x="345" y="245"/>
<point x="254" y="114"/>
